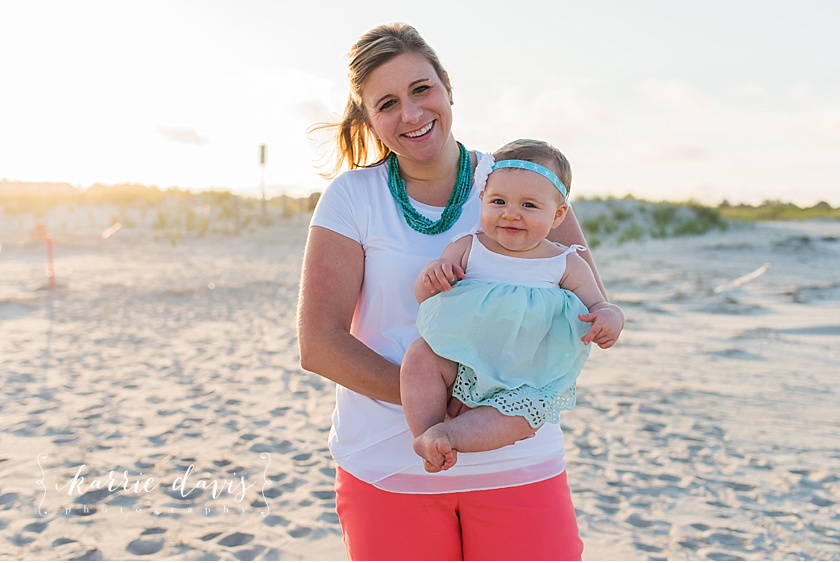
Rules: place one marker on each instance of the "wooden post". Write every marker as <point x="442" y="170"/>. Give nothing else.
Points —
<point x="263" y="155"/>
<point x="50" y="268"/>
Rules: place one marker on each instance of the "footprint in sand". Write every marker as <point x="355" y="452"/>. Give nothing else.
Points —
<point x="330" y="517"/>
<point x="275" y="520"/>
<point x="36" y="527"/>
<point x="718" y="556"/>
<point x="236" y="539"/>
<point x="740" y="487"/>
<point x="20" y="541"/>
<point x="251" y="554"/>
<point x="639" y="522"/>
<point x="90" y="555"/>
<point x="728" y="538"/>
<point x="822" y="502"/>
<point x="300" y="532"/>
<point x="144" y="547"/>
<point x="273" y="493"/>
<point x="325" y="494"/>
<point x="647" y="548"/>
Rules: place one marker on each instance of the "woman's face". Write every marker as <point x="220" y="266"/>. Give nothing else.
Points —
<point x="408" y="107"/>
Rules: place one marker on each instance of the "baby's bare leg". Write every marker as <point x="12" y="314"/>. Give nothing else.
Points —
<point x="425" y="382"/>
<point x="477" y="430"/>
<point x="483" y="429"/>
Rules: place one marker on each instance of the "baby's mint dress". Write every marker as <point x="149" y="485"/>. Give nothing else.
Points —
<point x="514" y="331"/>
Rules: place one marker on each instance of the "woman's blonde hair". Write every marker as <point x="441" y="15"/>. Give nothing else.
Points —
<point x="355" y="144"/>
<point x="541" y="153"/>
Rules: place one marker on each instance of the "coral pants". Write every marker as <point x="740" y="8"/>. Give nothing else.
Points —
<point x="528" y="522"/>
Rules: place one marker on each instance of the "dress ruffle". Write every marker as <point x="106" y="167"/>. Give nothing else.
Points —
<point x="537" y="406"/>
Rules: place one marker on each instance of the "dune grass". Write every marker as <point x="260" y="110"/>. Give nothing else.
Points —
<point x="774" y="210"/>
<point x="174" y="212"/>
<point x="629" y="219"/>
<point x="171" y="213"/>
<point x="626" y="219"/>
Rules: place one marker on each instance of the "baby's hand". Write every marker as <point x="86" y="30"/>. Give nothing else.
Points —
<point x="440" y="274"/>
<point x="607" y="324"/>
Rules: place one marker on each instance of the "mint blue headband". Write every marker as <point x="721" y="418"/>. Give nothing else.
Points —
<point x="533" y="167"/>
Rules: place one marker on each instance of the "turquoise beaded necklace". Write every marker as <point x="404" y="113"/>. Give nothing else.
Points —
<point x="460" y="193"/>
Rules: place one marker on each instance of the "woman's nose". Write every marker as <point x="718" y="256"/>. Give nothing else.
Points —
<point x="411" y="112"/>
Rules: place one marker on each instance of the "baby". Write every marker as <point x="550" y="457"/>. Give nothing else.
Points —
<point x="503" y="317"/>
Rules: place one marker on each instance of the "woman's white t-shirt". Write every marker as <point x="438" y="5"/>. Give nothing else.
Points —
<point x="370" y="439"/>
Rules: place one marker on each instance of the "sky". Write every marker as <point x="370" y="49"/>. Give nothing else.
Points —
<point x="664" y="100"/>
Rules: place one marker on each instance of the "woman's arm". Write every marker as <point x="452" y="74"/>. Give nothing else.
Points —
<point x="333" y="270"/>
<point x="568" y="233"/>
<point x="607" y="319"/>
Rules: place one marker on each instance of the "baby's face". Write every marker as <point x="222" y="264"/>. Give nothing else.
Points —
<point x="519" y="208"/>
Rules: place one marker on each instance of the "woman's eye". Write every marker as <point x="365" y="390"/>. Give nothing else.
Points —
<point x="420" y="89"/>
<point x="387" y="105"/>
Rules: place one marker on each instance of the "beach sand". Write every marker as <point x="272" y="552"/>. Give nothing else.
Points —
<point x="710" y="431"/>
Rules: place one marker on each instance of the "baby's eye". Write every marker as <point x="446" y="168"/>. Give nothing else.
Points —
<point x="528" y="204"/>
<point x="497" y="201"/>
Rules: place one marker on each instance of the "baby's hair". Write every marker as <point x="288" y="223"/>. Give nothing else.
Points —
<point x="541" y="153"/>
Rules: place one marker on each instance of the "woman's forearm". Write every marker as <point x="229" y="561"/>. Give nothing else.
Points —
<point x="340" y="357"/>
<point x="333" y="270"/>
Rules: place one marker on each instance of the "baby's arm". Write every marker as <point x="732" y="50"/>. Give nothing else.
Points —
<point x="606" y="318"/>
<point x="440" y="274"/>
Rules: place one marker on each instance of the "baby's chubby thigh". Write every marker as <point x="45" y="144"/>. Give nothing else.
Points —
<point x="421" y="362"/>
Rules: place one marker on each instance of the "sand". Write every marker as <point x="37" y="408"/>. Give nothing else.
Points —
<point x="711" y="430"/>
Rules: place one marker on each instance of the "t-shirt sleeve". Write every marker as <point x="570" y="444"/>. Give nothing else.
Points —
<point x="337" y="210"/>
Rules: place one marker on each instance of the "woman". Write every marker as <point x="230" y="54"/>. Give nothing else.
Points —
<point x="375" y="228"/>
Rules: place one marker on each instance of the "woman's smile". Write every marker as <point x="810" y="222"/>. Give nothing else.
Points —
<point x="420" y="132"/>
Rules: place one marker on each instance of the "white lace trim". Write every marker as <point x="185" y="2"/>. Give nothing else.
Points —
<point x="536" y="405"/>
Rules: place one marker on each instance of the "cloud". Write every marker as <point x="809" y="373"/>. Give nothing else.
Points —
<point x="677" y="152"/>
<point x="183" y="135"/>
<point x="558" y="115"/>
<point x="801" y="94"/>
<point x="751" y="93"/>
<point x="311" y="110"/>
<point x="676" y="95"/>
<point x="820" y="126"/>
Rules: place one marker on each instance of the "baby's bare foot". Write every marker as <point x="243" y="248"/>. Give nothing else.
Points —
<point x="435" y="448"/>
